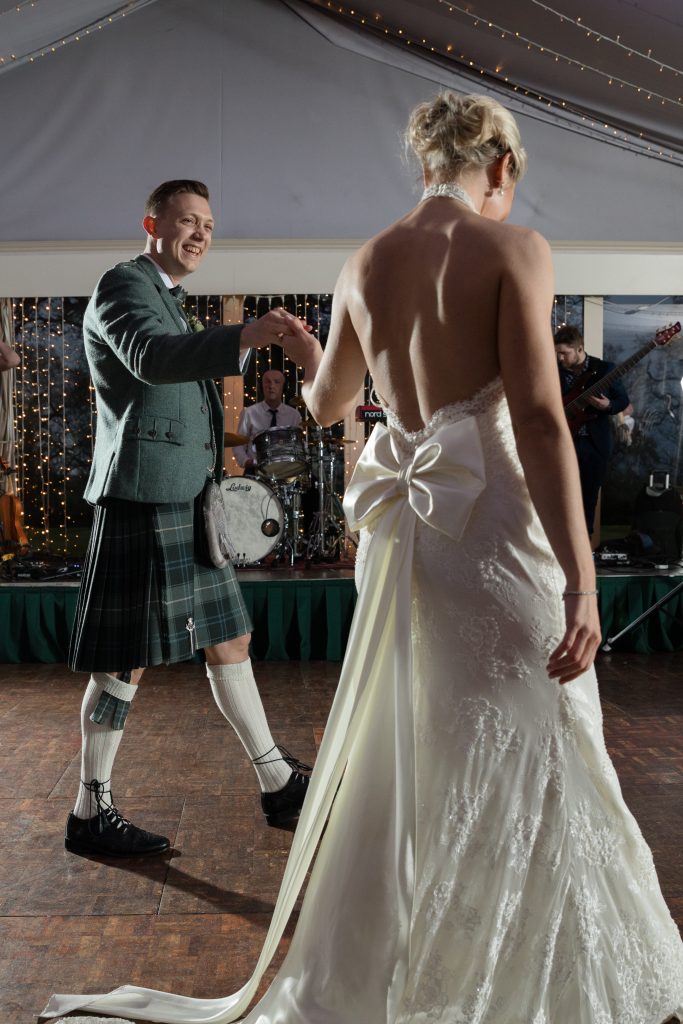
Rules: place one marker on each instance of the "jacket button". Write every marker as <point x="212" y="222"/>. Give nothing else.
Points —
<point x="204" y="409"/>
<point x="152" y="433"/>
<point x="207" y="445"/>
<point x="170" y="435"/>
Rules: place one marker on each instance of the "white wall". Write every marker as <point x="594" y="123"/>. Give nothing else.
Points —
<point x="275" y="266"/>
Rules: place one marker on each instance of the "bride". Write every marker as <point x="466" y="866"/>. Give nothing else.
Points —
<point x="479" y="865"/>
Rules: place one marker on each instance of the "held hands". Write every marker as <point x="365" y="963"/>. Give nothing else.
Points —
<point x="576" y="651"/>
<point x="600" y="402"/>
<point x="277" y="327"/>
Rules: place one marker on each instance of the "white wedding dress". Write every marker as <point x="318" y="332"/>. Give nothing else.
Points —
<point x="479" y="865"/>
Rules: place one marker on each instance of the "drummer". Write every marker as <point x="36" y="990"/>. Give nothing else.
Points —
<point x="271" y="412"/>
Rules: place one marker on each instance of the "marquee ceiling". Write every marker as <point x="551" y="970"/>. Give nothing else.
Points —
<point x="32" y="29"/>
<point x="616" y="64"/>
<point x="322" y="77"/>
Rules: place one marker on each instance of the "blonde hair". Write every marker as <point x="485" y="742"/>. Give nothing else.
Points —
<point x="452" y="133"/>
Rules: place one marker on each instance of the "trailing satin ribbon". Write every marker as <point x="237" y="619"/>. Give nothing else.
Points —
<point x="439" y="483"/>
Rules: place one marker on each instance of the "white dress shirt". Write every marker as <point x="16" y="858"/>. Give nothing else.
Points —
<point x="254" y="419"/>
<point x="244" y="357"/>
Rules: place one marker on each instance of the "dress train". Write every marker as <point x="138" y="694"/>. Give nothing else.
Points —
<point x="479" y="864"/>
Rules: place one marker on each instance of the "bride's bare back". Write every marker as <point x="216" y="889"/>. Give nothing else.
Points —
<point x="445" y="300"/>
<point x="424" y="300"/>
<point x="436" y="306"/>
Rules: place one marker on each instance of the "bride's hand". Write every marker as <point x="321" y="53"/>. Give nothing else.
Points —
<point x="302" y="346"/>
<point x="276" y="327"/>
<point x="576" y="652"/>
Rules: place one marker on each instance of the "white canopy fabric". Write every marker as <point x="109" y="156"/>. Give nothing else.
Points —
<point x="614" y="67"/>
<point x="34" y="28"/>
<point x="296" y="130"/>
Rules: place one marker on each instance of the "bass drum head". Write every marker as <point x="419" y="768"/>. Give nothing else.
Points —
<point x="255" y="517"/>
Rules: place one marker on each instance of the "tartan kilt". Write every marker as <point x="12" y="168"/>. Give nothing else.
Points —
<point x="146" y="596"/>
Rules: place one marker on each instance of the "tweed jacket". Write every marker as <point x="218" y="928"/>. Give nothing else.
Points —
<point x="157" y="405"/>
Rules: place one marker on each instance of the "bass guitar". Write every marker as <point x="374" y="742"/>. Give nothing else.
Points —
<point x="577" y="404"/>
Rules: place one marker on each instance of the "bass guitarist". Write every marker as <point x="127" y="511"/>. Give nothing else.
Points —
<point x="594" y="439"/>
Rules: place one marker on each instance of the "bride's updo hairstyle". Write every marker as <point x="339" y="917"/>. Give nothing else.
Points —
<point x="453" y="133"/>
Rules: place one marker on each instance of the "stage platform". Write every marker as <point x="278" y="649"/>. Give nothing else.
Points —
<point x="298" y="614"/>
<point x="305" y="614"/>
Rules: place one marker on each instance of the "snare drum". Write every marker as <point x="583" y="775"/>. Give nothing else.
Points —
<point x="281" y="453"/>
<point x="255" y="518"/>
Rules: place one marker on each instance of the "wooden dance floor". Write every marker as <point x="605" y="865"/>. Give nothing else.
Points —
<point x="193" y="921"/>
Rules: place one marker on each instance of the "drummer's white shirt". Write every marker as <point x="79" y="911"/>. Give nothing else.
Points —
<point x="254" y="419"/>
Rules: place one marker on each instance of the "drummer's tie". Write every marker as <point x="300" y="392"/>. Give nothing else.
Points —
<point x="273" y="417"/>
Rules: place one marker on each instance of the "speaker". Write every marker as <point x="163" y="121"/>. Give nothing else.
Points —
<point x="658" y="518"/>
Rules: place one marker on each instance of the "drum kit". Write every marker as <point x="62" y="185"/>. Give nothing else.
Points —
<point x="289" y="508"/>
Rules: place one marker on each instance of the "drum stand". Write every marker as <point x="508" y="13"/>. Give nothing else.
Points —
<point x="327" y="534"/>
<point x="291" y="542"/>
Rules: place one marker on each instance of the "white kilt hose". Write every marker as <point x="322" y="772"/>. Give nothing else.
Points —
<point x="147" y="597"/>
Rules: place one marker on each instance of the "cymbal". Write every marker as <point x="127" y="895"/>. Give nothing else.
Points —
<point x="297" y="402"/>
<point x="232" y="440"/>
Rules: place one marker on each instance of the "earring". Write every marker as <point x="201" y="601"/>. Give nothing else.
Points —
<point x="501" y="190"/>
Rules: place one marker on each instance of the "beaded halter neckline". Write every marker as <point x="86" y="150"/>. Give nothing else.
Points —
<point x="451" y="190"/>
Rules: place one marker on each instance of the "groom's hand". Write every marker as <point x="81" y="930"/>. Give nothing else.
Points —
<point x="277" y="327"/>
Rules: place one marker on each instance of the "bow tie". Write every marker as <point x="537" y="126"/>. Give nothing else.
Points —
<point x="178" y="293"/>
<point x="440" y="480"/>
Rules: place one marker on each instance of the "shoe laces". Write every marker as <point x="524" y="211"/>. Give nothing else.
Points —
<point x="298" y="767"/>
<point x="106" y="811"/>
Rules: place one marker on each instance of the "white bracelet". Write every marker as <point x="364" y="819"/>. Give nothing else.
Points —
<point x="578" y="593"/>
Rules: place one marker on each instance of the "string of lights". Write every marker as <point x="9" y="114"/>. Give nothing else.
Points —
<point x="531" y="45"/>
<point x="15" y="8"/>
<point x="567" y="309"/>
<point x="10" y="60"/>
<point x="40" y="397"/>
<point x="54" y="401"/>
<point x="603" y="37"/>
<point x="53" y="411"/>
<point x="532" y="104"/>
<point x="65" y="470"/>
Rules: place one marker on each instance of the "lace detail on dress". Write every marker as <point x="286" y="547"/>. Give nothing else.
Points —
<point x="477" y="405"/>
<point x="515" y="793"/>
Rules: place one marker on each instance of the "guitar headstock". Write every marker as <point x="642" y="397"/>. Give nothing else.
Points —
<point x="664" y="336"/>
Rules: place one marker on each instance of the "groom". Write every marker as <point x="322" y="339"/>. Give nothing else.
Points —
<point x="147" y="595"/>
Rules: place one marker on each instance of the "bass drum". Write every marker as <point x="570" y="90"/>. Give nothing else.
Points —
<point x="255" y="517"/>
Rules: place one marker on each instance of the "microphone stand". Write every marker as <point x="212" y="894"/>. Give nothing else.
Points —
<point x="607" y="646"/>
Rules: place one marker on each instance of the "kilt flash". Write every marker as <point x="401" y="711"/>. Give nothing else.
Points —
<point x="145" y="596"/>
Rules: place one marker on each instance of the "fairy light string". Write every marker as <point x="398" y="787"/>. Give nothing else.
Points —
<point x="535" y="105"/>
<point x="9" y="60"/>
<point x="54" y="407"/>
<point x="65" y="470"/>
<point x="605" y="37"/>
<point x="532" y="45"/>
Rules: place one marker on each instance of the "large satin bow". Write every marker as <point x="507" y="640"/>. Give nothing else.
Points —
<point x="441" y="479"/>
